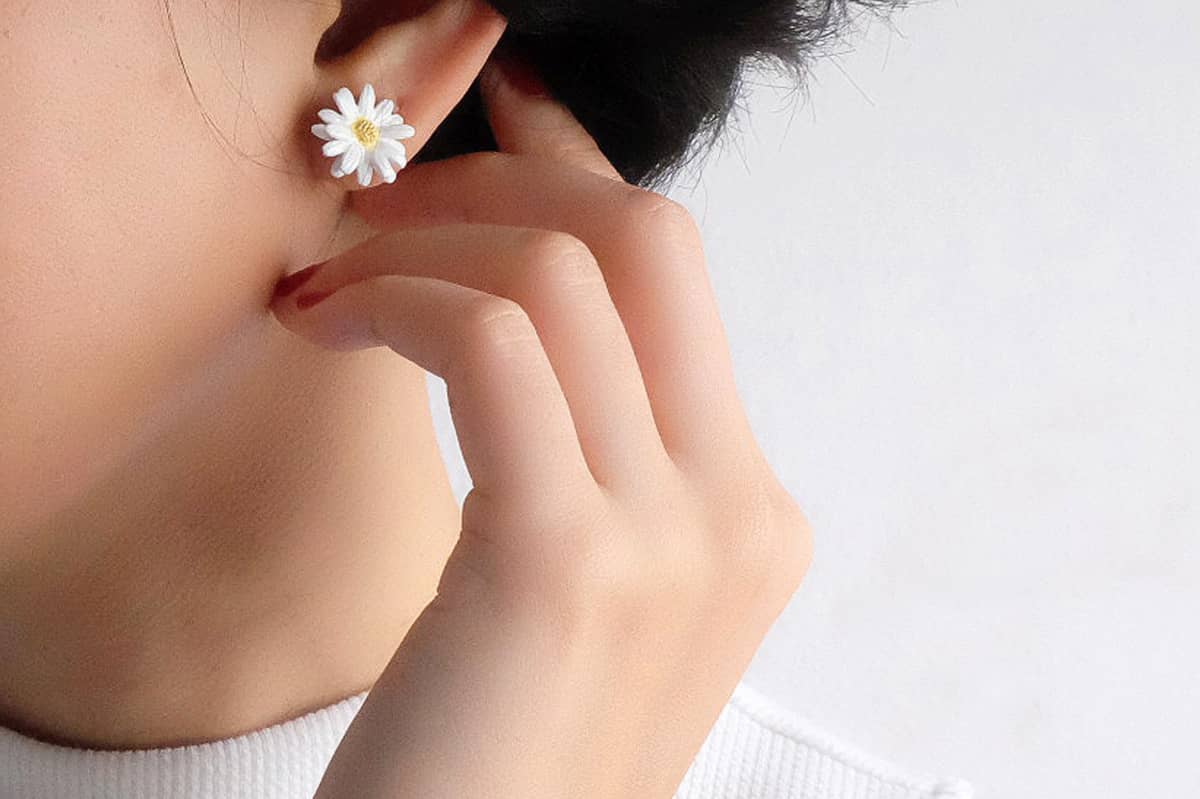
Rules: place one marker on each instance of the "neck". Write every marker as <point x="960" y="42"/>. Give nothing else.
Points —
<point x="246" y="566"/>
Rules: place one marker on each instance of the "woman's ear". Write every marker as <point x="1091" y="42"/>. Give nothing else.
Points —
<point x="425" y="61"/>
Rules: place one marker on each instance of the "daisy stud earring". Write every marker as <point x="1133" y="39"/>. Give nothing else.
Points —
<point x="363" y="137"/>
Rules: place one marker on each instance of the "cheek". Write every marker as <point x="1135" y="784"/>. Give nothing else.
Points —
<point x="136" y="248"/>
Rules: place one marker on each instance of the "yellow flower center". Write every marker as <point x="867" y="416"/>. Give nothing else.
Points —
<point x="366" y="131"/>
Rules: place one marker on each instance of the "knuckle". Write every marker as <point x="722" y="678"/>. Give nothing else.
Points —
<point x="796" y="553"/>
<point x="605" y="574"/>
<point x="770" y="546"/>
<point x="496" y="326"/>
<point x="546" y="561"/>
<point x="586" y="577"/>
<point x="629" y="581"/>
<point x="652" y="214"/>
<point x="556" y="260"/>
<point x="782" y="555"/>
<point x="498" y="317"/>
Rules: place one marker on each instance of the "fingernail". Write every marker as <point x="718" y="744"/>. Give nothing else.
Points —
<point x="311" y="299"/>
<point x="521" y="74"/>
<point x="295" y="280"/>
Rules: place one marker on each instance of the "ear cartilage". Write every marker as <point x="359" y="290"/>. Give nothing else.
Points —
<point x="362" y="136"/>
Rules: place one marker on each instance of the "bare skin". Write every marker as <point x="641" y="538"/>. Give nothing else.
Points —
<point x="269" y="499"/>
<point x="625" y="546"/>
<point x="207" y="524"/>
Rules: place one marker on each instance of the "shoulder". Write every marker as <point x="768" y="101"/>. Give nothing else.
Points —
<point x="758" y="749"/>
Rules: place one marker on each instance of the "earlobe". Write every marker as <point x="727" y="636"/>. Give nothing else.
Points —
<point x="423" y="65"/>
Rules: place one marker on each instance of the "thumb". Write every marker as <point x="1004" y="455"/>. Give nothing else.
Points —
<point x="525" y="118"/>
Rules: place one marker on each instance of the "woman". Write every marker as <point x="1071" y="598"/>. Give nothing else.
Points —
<point x="223" y="506"/>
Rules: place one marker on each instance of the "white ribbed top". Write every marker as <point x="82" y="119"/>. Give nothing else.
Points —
<point x="756" y="750"/>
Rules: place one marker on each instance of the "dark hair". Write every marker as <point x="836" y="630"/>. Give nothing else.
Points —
<point x="653" y="81"/>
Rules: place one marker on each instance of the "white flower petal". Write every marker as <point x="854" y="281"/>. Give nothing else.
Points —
<point x="329" y="116"/>
<point x="364" y="172"/>
<point x="384" y="110"/>
<point x="366" y="100"/>
<point x="396" y="160"/>
<point x="320" y="132"/>
<point x="397" y="131"/>
<point x="391" y="119"/>
<point x="392" y="148"/>
<point x="386" y="171"/>
<point x="335" y="147"/>
<point x="350" y="158"/>
<point x="345" y="103"/>
<point x="340" y="131"/>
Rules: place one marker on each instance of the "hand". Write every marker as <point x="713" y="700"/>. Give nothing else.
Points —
<point x="625" y="546"/>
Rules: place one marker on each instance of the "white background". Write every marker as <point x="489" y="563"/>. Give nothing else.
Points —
<point x="960" y="279"/>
